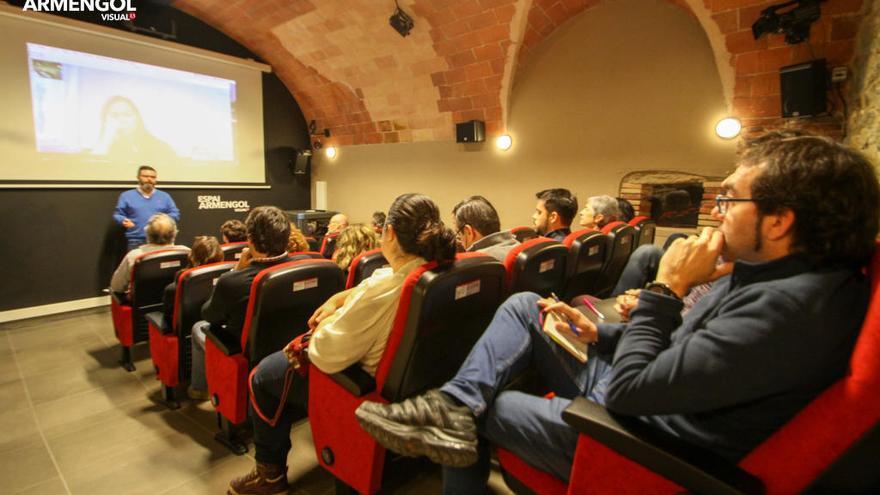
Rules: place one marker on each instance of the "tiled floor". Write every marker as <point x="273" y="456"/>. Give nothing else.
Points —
<point x="73" y="422"/>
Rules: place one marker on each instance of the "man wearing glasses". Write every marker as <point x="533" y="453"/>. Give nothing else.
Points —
<point x="477" y="228"/>
<point x="777" y="328"/>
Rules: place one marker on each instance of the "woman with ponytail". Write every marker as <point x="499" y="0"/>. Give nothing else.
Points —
<point x="352" y="327"/>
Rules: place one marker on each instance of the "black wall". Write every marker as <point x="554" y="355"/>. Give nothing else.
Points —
<point x="62" y="244"/>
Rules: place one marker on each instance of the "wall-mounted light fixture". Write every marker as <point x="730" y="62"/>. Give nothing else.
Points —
<point x="504" y="142"/>
<point x="728" y="128"/>
<point x="330" y="152"/>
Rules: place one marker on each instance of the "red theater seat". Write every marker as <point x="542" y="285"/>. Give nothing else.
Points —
<point x="150" y="274"/>
<point x="232" y="250"/>
<point x="621" y="240"/>
<point x="646" y="228"/>
<point x="831" y="446"/>
<point x="328" y="245"/>
<point x="586" y="257"/>
<point x="170" y="346"/>
<point x="363" y="265"/>
<point x="440" y="316"/>
<point x="282" y="299"/>
<point x="537" y="265"/>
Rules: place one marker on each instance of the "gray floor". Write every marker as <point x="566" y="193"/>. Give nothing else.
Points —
<point x="73" y="422"/>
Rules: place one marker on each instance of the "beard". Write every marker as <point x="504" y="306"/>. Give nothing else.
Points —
<point x="147" y="187"/>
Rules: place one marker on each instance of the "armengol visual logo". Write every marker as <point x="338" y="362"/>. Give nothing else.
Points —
<point x="111" y="10"/>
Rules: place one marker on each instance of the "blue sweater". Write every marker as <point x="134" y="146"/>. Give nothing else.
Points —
<point x="752" y="353"/>
<point x="133" y="206"/>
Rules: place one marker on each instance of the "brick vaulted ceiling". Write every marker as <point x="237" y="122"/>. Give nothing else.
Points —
<point x="354" y="75"/>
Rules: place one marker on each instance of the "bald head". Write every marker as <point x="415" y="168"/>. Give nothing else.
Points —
<point x="337" y="222"/>
<point x="161" y="229"/>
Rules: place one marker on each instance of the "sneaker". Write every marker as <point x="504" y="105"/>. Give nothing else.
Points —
<point x="429" y="425"/>
<point x="264" y="479"/>
<point x="197" y="394"/>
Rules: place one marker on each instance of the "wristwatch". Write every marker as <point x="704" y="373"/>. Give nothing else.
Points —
<point x="661" y="288"/>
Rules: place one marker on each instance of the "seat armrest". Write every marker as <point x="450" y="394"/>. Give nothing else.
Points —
<point x="157" y="319"/>
<point x="692" y="467"/>
<point x="355" y="380"/>
<point x="225" y="343"/>
<point x="119" y="297"/>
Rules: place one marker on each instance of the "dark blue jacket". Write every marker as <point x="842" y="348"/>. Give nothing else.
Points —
<point x="752" y="353"/>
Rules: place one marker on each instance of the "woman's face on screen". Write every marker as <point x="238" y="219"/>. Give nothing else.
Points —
<point x="122" y="117"/>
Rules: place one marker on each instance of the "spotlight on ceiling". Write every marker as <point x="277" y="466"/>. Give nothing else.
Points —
<point x="330" y="151"/>
<point x="401" y="21"/>
<point x="504" y="142"/>
<point x="728" y="128"/>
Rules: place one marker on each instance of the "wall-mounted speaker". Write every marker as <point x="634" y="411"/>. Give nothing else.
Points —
<point x="302" y="159"/>
<point x="473" y="131"/>
<point x="804" y="87"/>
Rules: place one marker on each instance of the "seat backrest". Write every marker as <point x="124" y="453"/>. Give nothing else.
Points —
<point x="523" y="234"/>
<point x="646" y="228"/>
<point x="232" y="250"/>
<point x="363" y="265"/>
<point x="328" y="245"/>
<point x="621" y="240"/>
<point x="151" y="273"/>
<point x="672" y="238"/>
<point x="282" y="299"/>
<point x="305" y="255"/>
<point x="194" y="287"/>
<point x="537" y="265"/>
<point x="822" y="432"/>
<point x="314" y="245"/>
<point x="586" y="257"/>
<point x="440" y="316"/>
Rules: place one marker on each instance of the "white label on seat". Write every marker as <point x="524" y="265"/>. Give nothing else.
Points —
<point x="309" y="283"/>
<point x="467" y="289"/>
<point x="593" y="250"/>
<point x="546" y="265"/>
<point x="169" y="264"/>
<point x="238" y="255"/>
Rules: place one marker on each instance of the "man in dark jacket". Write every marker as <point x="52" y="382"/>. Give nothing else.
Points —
<point x="477" y="228"/>
<point x="267" y="231"/>
<point x="777" y="328"/>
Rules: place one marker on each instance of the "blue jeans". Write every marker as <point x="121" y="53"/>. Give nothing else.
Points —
<point x="198" y="380"/>
<point x="640" y="269"/>
<point x="529" y="426"/>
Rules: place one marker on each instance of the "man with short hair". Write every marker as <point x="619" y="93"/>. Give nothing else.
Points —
<point x="233" y="231"/>
<point x="378" y="221"/>
<point x="136" y="206"/>
<point x="268" y="229"/>
<point x="338" y="222"/>
<point x="599" y="212"/>
<point x="161" y="230"/>
<point x="554" y="212"/>
<point x="478" y="228"/>
<point x="777" y="328"/>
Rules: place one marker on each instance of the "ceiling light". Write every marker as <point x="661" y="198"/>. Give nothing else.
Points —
<point x="330" y="151"/>
<point x="728" y="128"/>
<point x="504" y="142"/>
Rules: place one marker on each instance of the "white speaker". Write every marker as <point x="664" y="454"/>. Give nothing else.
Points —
<point x="321" y="195"/>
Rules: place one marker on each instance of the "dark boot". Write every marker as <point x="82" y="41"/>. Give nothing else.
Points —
<point x="430" y="425"/>
<point x="264" y="479"/>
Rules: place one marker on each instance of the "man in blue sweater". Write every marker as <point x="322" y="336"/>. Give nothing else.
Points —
<point x="136" y="206"/>
<point x="776" y="329"/>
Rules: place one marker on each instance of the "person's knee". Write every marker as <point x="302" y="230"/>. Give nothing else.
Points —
<point x="522" y="300"/>
<point x="647" y="254"/>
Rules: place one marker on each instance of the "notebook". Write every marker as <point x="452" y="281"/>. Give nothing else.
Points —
<point x="564" y="339"/>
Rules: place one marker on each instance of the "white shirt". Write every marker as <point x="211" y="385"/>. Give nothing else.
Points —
<point x="359" y="330"/>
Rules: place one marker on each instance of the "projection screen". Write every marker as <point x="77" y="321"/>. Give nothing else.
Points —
<point x="88" y="104"/>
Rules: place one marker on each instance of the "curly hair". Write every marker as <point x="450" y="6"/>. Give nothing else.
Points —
<point x="832" y="190"/>
<point x="296" y="241"/>
<point x="234" y="231"/>
<point x="352" y="241"/>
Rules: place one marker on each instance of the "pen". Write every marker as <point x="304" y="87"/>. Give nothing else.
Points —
<point x="571" y="325"/>
<point x="593" y="308"/>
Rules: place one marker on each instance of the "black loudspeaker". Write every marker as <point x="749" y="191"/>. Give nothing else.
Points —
<point x="804" y="87"/>
<point x="473" y="131"/>
<point x="301" y="161"/>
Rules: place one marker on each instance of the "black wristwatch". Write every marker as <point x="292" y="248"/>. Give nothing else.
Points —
<point x="661" y="288"/>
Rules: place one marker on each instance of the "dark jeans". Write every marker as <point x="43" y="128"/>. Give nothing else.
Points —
<point x="134" y="244"/>
<point x="529" y="426"/>
<point x="640" y="269"/>
<point x="273" y="381"/>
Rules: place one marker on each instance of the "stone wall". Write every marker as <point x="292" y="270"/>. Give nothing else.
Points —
<point x="864" y="119"/>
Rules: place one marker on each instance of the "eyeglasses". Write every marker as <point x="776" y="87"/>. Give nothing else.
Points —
<point x="723" y="202"/>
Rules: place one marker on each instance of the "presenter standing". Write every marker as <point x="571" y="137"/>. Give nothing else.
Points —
<point x="136" y="206"/>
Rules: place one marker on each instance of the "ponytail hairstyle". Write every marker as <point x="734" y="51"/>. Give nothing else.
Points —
<point x="416" y="221"/>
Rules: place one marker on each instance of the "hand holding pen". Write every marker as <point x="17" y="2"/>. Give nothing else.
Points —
<point x="571" y="320"/>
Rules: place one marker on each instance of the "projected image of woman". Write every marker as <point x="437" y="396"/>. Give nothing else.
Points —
<point x="124" y="137"/>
